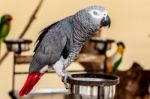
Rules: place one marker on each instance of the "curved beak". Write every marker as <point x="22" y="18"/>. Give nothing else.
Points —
<point x="11" y="18"/>
<point x="106" y="21"/>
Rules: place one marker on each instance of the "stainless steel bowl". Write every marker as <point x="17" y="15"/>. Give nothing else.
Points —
<point x="93" y="86"/>
<point x="18" y="45"/>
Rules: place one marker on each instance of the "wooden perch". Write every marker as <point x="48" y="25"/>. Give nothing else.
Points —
<point x="32" y="18"/>
<point x="22" y="59"/>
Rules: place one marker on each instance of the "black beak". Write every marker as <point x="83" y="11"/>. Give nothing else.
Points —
<point x="106" y="21"/>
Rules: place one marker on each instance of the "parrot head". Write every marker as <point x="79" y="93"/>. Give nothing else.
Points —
<point x="93" y="18"/>
<point x="121" y="47"/>
<point x="6" y="18"/>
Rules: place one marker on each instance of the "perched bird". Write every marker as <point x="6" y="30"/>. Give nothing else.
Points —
<point x="60" y="43"/>
<point x="5" y="26"/>
<point x="121" y="48"/>
<point x="116" y="59"/>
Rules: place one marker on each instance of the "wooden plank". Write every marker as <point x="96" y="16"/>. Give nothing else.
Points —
<point x="22" y="59"/>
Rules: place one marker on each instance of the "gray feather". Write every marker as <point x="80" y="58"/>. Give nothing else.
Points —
<point x="42" y="34"/>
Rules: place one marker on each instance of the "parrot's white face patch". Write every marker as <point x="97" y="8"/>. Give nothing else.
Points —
<point x="97" y="14"/>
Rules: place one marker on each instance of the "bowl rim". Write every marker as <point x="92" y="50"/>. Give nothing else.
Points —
<point x="109" y="79"/>
<point x="17" y="41"/>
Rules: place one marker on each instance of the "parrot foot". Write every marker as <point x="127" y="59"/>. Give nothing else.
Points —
<point x="64" y="79"/>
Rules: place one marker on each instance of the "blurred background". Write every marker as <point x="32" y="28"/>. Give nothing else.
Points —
<point x="130" y="25"/>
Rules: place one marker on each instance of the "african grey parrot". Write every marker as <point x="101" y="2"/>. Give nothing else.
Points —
<point x="60" y="43"/>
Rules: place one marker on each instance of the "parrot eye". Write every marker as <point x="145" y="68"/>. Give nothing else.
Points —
<point x="95" y="13"/>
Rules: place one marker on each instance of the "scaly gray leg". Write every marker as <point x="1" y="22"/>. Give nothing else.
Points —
<point x="65" y="77"/>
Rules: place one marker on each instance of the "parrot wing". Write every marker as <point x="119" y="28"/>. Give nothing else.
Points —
<point x="42" y="34"/>
<point x="53" y="42"/>
<point x="51" y="45"/>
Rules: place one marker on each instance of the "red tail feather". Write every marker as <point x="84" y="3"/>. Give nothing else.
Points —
<point x="32" y="79"/>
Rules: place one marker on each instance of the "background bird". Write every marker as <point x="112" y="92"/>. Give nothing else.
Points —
<point x="115" y="60"/>
<point x="60" y="43"/>
<point x="120" y="50"/>
<point x="5" y="24"/>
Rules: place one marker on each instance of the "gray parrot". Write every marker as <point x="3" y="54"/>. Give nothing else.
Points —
<point x="60" y="43"/>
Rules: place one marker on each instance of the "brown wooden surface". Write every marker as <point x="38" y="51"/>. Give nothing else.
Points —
<point x="22" y="59"/>
<point x="134" y="83"/>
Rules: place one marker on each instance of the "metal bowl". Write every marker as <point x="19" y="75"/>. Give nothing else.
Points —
<point x="93" y="86"/>
<point x="102" y="45"/>
<point x="18" y="45"/>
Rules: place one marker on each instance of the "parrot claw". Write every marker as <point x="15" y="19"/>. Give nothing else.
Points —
<point x="64" y="79"/>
